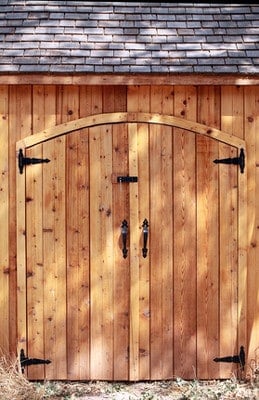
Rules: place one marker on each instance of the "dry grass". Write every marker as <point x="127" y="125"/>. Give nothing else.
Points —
<point x="14" y="386"/>
<point x="159" y="390"/>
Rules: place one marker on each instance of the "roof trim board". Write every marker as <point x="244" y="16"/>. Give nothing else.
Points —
<point x="128" y="79"/>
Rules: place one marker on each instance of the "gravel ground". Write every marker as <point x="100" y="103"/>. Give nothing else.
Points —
<point x="162" y="390"/>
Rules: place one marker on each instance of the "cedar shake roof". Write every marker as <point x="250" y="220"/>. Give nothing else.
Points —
<point x="123" y="37"/>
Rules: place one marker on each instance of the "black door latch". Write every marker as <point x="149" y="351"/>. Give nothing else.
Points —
<point x="127" y="179"/>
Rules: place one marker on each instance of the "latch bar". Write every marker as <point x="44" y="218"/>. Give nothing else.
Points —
<point x="127" y="179"/>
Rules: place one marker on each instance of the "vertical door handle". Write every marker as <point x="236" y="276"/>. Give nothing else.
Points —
<point x="145" y="237"/>
<point x="124" y="232"/>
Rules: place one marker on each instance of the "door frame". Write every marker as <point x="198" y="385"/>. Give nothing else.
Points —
<point x="115" y="118"/>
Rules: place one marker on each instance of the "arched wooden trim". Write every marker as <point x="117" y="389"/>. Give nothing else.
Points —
<point x="127" y="117"/>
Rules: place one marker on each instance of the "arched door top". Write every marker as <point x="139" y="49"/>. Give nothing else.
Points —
<point x="130" y="117"/>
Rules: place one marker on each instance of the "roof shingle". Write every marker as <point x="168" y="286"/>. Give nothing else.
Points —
<point x="81" y="36"/>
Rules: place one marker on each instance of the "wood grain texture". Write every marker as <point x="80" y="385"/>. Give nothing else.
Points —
<point x="161" y="239"/>
<point x="73" y="160"/>
<point x="208" y="209"/>
<point x="251" y="121"/>
<point x="140" y="98"/>
<point x="22" y="127"/>
<point x="232" y="264"/>
<point x="34" y="250"/>
<point x="130" y="319"/>
<point x="185" y="220"/>
<point x="130" y="79"/>
<point x="4" y="206"/>
<point x="134" y="257"/>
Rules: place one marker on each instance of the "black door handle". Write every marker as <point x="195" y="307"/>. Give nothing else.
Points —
<point x="124" y="232"/>
<point x="145" y="237"/>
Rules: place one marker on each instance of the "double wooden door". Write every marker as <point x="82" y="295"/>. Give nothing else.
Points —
<point x="96" y="305"/>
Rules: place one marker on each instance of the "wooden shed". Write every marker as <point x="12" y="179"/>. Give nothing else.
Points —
<point x="129" y="183"/>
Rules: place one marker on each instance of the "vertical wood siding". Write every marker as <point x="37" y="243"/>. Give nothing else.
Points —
<point x="199" y="307"/>
<point x="208" y="274"/>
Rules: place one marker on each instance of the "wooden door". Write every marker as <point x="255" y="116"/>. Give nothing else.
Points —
<point x="97" y="314"/>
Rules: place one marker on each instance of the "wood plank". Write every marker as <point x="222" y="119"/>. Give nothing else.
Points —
<point x="139" y="99"/>
<point x="228" y="265"/>
<point x="35" y="270"/>
<point x="107" y="253"/>
<point x="43" y="116"/>
<point x="143" y="105"/>
<point x="73" y="253"/>
<point x="134" y="256"/>
<point x="102" y="261"/>
<point x="70" y="110"/>
<point x="13" y="137"/>
<point x="34" y="263"/>
<point x="157" y="225"/>
<point x="185" y="329"/>
<point x="229" y="190"/>
<point x="95" y="243"/>
<point x="242" y="263"/>
<point x="161" y="241"/>
<point x="107" y="118"/>
<point x="54" y="260"/>
<point x="242" y="225"/>
<point x="54" y="232"/>
<point x="4" y="206"/>
<point x="22" y="127"/>
<point x="207" y="238"/>
<point x="48" y="104"/>
<point x="115" y="98"/>
<point x="21" y="264"/>
<point x="84" y="272"/>
<point x="83" y="245"/>
<point x="130" y="79"/>
<point x="144" y="263"/>
<point x="107" y="237"/>
<point x="167" y="104"/>
<point x="251" y="124"/>
<point x="121" y="265"/>
<point x="96" y="264"/>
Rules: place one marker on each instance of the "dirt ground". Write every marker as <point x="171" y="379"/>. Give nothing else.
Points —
<point x="162" y="390"/>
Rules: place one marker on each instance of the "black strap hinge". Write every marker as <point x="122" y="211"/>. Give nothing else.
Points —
<point x="238" y="359"/>
<point x="26" y="361"/>
<point x="235" y="161"/>
<point x="22" y="161"/>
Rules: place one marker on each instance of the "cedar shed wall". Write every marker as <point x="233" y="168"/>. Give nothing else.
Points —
<point x="207" y="312"/>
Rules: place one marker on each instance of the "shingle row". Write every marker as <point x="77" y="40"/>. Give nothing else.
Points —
<point x="80" y="36"/>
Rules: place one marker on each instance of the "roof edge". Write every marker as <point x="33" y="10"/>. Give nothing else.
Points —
<point x="127" y="79"/>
